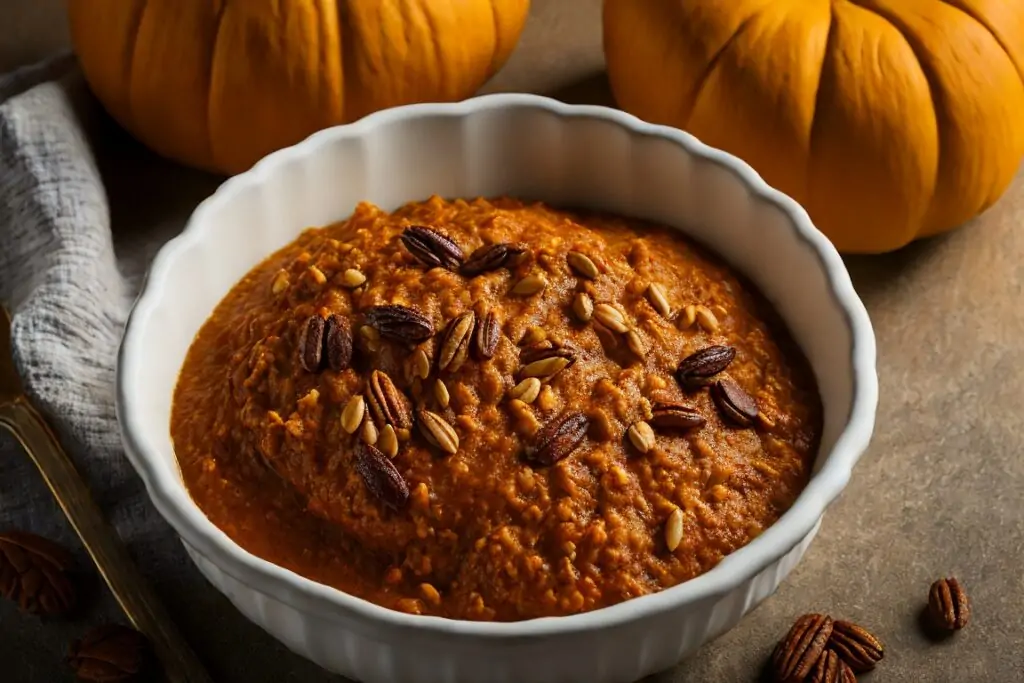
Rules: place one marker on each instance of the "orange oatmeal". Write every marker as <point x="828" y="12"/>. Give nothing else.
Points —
<point x="494" y="410"/>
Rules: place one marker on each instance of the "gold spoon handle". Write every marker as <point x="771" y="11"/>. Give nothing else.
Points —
<point x="136" y="598"/>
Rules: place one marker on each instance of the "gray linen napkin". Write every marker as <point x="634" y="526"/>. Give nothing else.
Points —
<point x="82" y="211"/>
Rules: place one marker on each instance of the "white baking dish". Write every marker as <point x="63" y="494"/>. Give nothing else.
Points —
<point x="537" y="148"/>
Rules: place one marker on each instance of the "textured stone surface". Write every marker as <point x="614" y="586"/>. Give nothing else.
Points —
<point x="941" y="491"/>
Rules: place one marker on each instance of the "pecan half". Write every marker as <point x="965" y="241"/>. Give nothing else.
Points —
<point x="486" y="335"/>
<point x="948" y="605"/>
<point x="33" y="572"/>
<point x="799" y="651"/>
<point x="831" y="669"/>
<point x="431" y="248"/>
<point x="736" y="405"/>
<point x="387" y="403"/>
<point x="311" y="343"/>
<point x="109" y="653"/>
<point x="668" y="416"/>
<point x="698" y="368"/>
<point x="558" y="439"/>
<point x="455" y="342"/>
<point x="400" y="323"/>
<point x="337" y="343"/>
<point x="856" y="646"/>
<point x="492" y="257"/>
<point x="382" y="478"/>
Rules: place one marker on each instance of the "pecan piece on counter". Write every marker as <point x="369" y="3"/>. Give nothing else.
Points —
<point x="33" y="572"/>
<point x="948" y="605"/>
<point x="856" y="646"/>
<point x="799" y="651"/>
<point x="831" y="669"/>
<point x="109" y="653"/>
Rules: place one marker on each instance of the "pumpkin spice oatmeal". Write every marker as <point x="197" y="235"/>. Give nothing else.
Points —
<point x="494" y="410"/>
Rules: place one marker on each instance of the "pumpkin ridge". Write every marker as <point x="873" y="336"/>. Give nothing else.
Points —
<point x="985" y="24"/>
<point x="439" y="61"/>
<point x="218" y="23"/>
<point x="344" y="40"/>
<point x="713" y="63"/>
<point x="496" y="52"/>
<point x="130" y="61"/>
<point x="817" y="99"/>
<point x="929" y="78"/>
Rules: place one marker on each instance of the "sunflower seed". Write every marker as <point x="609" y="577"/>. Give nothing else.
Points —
<point x="400" y="323"/>
<point x="352" y="278"/>
<point x="636" y="344"/>
<point x="527" y="390"/>
<point x="368" y="433"/>
<point x="441" y="393"/>
<point x="688" y="317"/>
<point x="352" y="415"/>
<point x="659" y="299"/>
<point x="558" y="439"/>
<point x="432" y="248"/>
<point x="546" y="367"/>
<point x="317" y="275"/>
<point x="582" y="265"/>
<point x="707" y="319"/>
<point x="280" y="283"/>
<point x="641" y="436"/>
<point x="674" y="530"/>
<point x="610" y="317"/>
<point x="583" y="307"/>
<point x="455" y="342"/>
<point x="381" y="477"/>
<point x="387" y="441"/>
<point x="420" y="364"/>
<point x="529" y="285"/>
<point x="437" y="431"/>
<point x="533" y="335"/>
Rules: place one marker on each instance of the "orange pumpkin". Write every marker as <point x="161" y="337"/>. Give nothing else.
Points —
<point x="218" y="84"/>
<point x="889" y="120"/>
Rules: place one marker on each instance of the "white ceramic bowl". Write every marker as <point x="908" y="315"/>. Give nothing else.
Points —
<point x="536" y="148"/>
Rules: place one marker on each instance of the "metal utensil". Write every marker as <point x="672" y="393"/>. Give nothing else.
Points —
<point x="137" y="599"/>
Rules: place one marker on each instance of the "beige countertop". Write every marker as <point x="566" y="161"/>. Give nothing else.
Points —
<point x="941" y="490"/>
